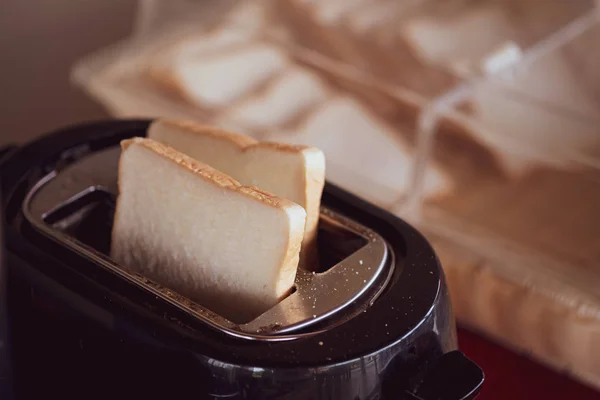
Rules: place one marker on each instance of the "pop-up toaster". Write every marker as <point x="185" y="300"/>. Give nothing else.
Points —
<point x="374" y="323"/>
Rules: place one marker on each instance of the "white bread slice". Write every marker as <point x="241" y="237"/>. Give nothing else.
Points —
<point x="218" y="79"/>
<point x="364" y="154"/>
<point x="231" y="248"/>
<point x="290" y="95"/>
<point x="481" y="32"/>
<point x="296" y="173"/>
<point x="527" y="129"/>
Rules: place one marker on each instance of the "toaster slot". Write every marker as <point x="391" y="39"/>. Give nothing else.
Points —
<point x="76" y="205"/>
<point x="87" y="217"/>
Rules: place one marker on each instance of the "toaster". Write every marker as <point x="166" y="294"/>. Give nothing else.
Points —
<point x="374" y="322"/>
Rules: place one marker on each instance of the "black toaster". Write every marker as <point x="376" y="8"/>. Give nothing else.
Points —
<point x="374" y="323"/>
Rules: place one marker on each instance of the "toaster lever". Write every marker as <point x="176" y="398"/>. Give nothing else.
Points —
<point x="452" y="377"/>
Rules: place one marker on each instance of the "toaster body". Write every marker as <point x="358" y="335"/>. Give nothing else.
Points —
<point x="377" y="324"/>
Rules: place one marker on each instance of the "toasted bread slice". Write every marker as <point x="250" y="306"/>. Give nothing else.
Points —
<point x="296" y="173"/>
<point x="233" y="249"/>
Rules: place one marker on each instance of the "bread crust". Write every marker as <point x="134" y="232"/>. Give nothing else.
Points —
<point x="313" y="178"/>
<point x="244" y="142"/>
<point x="208" y="173"/>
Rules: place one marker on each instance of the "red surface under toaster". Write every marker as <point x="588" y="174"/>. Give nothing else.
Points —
<point x="511" y="376"/>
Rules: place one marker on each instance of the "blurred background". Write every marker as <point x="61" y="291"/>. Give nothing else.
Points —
<point x="40" y="41"/>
